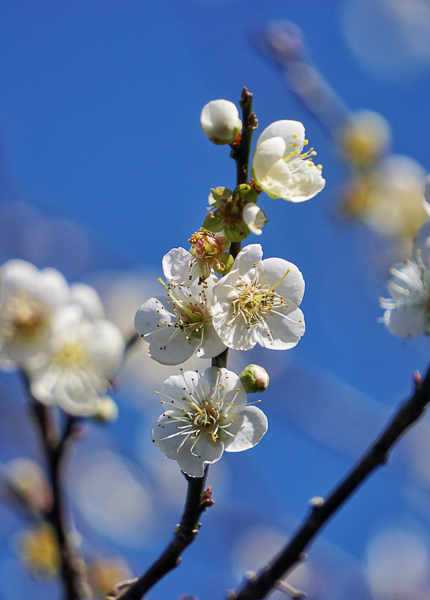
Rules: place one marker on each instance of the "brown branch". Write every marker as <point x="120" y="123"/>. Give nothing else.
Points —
<point x="196" y="503"/>
<point x="55" y="445"/>
<point x="375" y="456"/>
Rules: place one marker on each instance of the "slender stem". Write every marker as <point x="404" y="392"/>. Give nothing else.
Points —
<point x="375" y="456"/>
<point x="55" y="445"/>
<point x="197" y="502"/>
<point x="241" y="153"/>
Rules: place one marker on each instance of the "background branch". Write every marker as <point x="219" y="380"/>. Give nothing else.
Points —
<point x="55" y="444"/>
<point x="322" y="510"/>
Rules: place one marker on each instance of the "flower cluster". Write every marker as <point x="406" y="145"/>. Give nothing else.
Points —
<point x="407" y="312"/>
<point x="215" y="300"/>
<point x="58" y="336"/>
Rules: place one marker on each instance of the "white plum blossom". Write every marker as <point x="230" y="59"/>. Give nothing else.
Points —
<point x="205" y="415"/>
<point x="74" y="370"/>
<point x="254" y="218"/>
<point x="29" y="300"/>
<point x="179" y="324"/>
<point x="407" y="312"/>
<point x="257" y="302"/>
<point x="220" y="121"/>
<point x="279" y="166"/>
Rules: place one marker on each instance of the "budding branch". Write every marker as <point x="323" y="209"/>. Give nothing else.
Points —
<point x="375" y="456"/>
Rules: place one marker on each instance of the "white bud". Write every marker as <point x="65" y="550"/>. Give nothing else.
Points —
<point x="220" y="121"/>
<point x="106" y="410"/>
<point x="254" y="217"/>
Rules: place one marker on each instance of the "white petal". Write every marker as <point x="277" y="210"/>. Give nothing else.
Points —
<point x="151" y="315"/>
<point x="285" y="129"/>
<point x="254" y="217"/>
<point x="247" y="257"/>
<point x="291" y="287"/>
<point x="286" y="329"/>
<point x="177" y="267"/>
<point x="105" y="345"/>
<point x="53" y="289"/>
<point x="212" y="344"/>
<point x="176" y="387"/>
<point x="166" y="436"/>
<point x="86" y="296"/>
<point x="19" y="275"/>
<point x="407" y="321"/>
<point x="170" y="346"/>
<point x="421" y="249"/>
<point x="266" y="155"/>
<point x="249" y="428"/>
<point x="279" y="181"/>
<point x="208" y="450"/>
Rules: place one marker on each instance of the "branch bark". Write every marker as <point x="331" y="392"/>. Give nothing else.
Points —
<point x="375" y="456"/>
<point x="196" y="503"/>
<point x="55" y="445"/>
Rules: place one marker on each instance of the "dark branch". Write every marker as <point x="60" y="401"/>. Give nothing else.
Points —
<point x="376" y="455"/>
<point x="198" y="500"/>
<point x="55" y="445"/>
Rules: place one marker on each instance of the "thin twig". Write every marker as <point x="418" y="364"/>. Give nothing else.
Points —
<point x="55" y="445"/>
<point x="196" y="503"/>
<point x="376" y="455"/>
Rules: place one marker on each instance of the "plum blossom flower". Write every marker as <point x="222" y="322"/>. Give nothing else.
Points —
<point x="179" y="324"/>
<point x="208" y="250"/>
<point x="220" y="121"/>
<point x="29" y="300"/>
<point x="407" y="312"/>
<point x="281" y="169"/>
<point x="205" y="415"/>
<point x="74" y="370"/>
<point x="257" y="302"/>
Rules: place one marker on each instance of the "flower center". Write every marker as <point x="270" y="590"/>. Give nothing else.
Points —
<point x="26" y="320"/>
<point x="255" y="301"/>
<point x="70" y="356"/>
<point x="207" y="418"/>
<point x="192" y="317"/>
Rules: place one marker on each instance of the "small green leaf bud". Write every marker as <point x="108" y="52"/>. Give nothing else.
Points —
<point x="254" y="379"/>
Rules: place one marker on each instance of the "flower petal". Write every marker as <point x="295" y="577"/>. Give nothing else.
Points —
<point x="170" y="346"/>
<point x="178" y="268"/>
<point x="248" y="429"/>
<point x="266" y="155"/>
<point x="154" y="313"/>
<point x="286" y="129"/>
<point x="293" y="284"/>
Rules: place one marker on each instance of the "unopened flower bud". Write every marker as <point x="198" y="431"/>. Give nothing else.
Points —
<point x="254" y="379"/>
<point x="255" y="218"/>
<point x="106" y="410"/>
<point x="220" y="121"/>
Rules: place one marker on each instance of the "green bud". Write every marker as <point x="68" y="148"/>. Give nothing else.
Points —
<point x="218" y="194"/>
<point x="238" y="233"/>
<point x="247" y="192"/>
<point x="254" y="379"/>
<point x="213" y="223"/>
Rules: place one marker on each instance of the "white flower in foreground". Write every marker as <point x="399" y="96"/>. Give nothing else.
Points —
<point x="220" y="121"/>
<point x="281" y="169"/>
<point x="407" y="312"/>
<point x="179" y="324"/>
<point x="205" y="415"/>
<point x="74" y="370"/>
<point x="29" y="300"/>
<point x="257" y="302"/>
